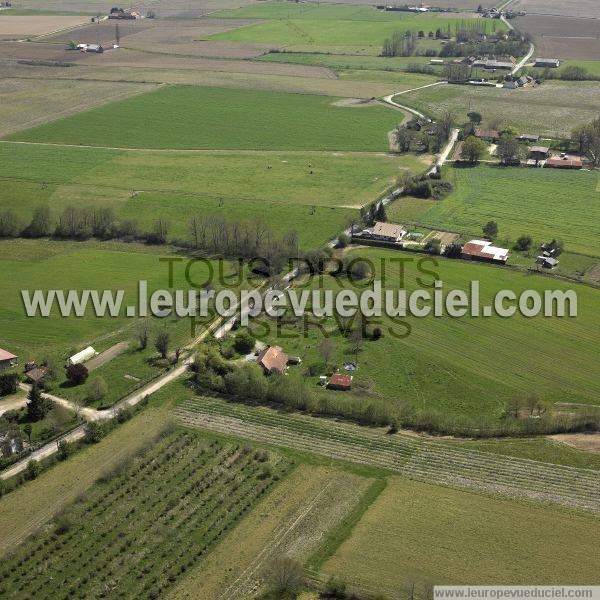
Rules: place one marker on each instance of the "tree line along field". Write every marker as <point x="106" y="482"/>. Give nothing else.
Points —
<point x="449" y="536"/>
<point x="184" y="117"/>
<point x="552" y="109"/>
<point x="466" y="369"/>
<point x="327" y="27"/>
<point x="543" y="203"/>
<point x="315" y="194"/>
<point x="142" y="526"/>
<point x="31" y="265"/>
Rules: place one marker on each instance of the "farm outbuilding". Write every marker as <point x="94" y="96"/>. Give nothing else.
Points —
<point x="539" y="152"/>
<point x="489" y="135"/>
<point x="37" y="375"/>
<point x="564" y="162"/>
<point x="7" y="359"/>
<point x="484" y="250"/>
<point x="82" y="356"/>
<point x="551" y="63"/>
<point x="339" y="381"/>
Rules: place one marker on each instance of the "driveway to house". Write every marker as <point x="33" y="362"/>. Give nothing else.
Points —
<point x="445" y="153"/>
<point x="390" y="99"/>
<point x="12" y="404"/>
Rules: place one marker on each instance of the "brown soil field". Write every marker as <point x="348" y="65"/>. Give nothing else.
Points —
<point x="14" y="27"/>
<point x="133" y="58"/>
<point x="103" y="32"/>
<point x="563" y="37"/>
<point x="36" y="51"/>
<point x="256" y="81"/>
<point x="581" y="8"/>
<point x="29" y="102"/>
<point x="589" y="442"/>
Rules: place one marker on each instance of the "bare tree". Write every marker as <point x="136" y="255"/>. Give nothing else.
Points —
<point x="327" y="350"/>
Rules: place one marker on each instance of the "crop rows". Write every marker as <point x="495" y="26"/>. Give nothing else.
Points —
<point x="429" y="461"/>
<point x="138" y="531"/>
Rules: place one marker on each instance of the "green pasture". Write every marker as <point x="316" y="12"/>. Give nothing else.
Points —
<point x="44" y="265"/>
<point x="543" y="203"/>
<point x="315" y="194"/>
<point x="341" y="62"/>
<point x="359" y="28"/>
<point x="465" y="368"/>
<point x="186" y="117"/>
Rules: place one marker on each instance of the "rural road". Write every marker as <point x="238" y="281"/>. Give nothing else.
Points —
<point x="390" y="99"/>
<point x="445" y="153"/>
<point x="524" y="60"/>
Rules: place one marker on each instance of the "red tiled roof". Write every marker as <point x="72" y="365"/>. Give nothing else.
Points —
<point x="565" y="163"/>
<point x="484" y="249"/>
<point x="273" y="359"/>
<point x="340" y="380"/>
<point x="5" y="355"/>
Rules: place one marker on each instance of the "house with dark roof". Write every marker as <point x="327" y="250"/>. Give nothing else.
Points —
<point x="551" y="63"/>
<point x="529" y="137"/>
<point x="273" y="360"/>
<point x="539" y="152"/>
<point x="37" y="375"/>
<point x="489" y="135"/>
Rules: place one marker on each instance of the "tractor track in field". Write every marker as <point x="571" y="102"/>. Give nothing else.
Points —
<point x="425" y="460"/>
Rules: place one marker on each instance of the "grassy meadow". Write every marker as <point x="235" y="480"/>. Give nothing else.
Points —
<point x="31" y="265"/>
<point x="464" y="368"/>
<point x="315" y="194"/>
<point x="187" y="117"/>
<point x="327" y="27"/>
<point x="437" y="535"/>
<point x="543" y="203"/>
<point x="552" y="109"/>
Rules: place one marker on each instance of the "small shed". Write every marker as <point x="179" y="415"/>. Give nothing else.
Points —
<point x="547" y="261"/>
<point x="339" y="381"/>
<point x="539" y="152"/>
<point x="82" y="356"/>
<point x="37" y="375"/>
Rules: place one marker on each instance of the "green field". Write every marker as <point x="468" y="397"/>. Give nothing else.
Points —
<point x="31" y="265"/>
<point x="543" y="203"/>
<point x="467" y="368"/>
<point x="342" y="62"/>
<point x="143" y="525"/>
<point x="434" y="535"/>
<point x="552" y="109"/>
<point x="277" y="188"/>
<point x="185" y="117"/>
<point x="355" y="29"/>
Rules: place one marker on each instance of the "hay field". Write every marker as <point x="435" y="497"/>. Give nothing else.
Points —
<point x="552" y="109"/>
<point x="29" y="102"/>
<point x="436" y="535"/>
<point x="184" y="117"/>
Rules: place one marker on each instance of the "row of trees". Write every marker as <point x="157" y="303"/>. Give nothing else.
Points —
<point x="420" y="136"/>
<point x="216" y="235"/>
<point x="80" y="224"/>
